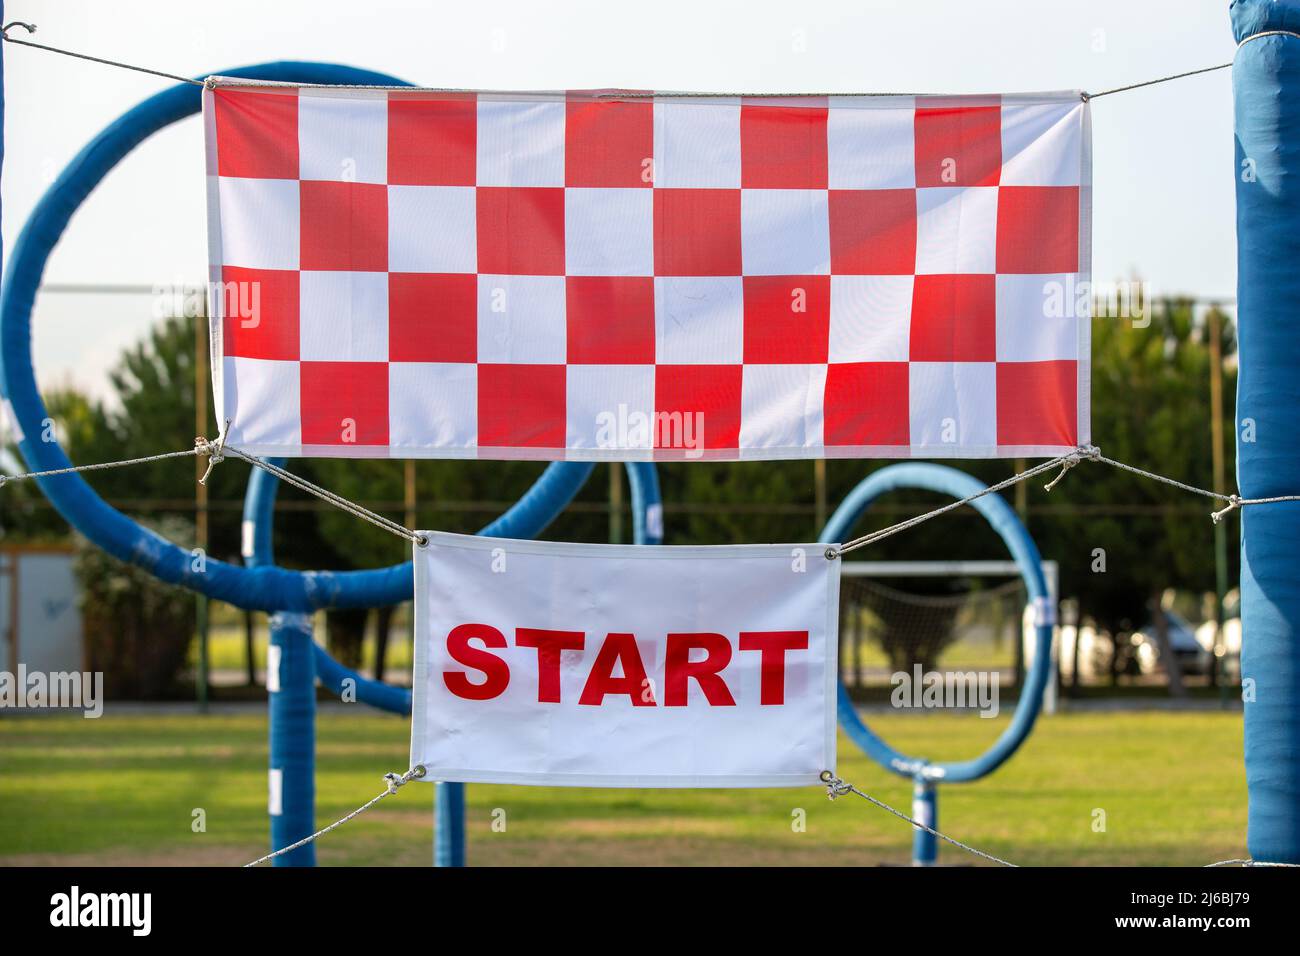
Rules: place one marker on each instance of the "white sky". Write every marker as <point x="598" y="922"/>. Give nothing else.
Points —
<point x="1163" y="156"/>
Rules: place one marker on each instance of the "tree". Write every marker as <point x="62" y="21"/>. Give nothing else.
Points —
<point x="1151" y="408"/>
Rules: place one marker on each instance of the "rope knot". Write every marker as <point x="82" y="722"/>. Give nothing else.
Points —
<point x="835" y="787"/>
<point x="215" y="450"/>
<point x="1082" y="453"/>
<point x="396" y="780"/>
<point x="29" y="27"/>
<point x="1234" y="502"/>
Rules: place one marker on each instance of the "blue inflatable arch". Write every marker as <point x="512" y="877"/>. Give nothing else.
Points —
<point x="257" y="588"/>
<point x="1004" y="521"/>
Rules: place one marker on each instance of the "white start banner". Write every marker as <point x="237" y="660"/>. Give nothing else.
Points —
<point x="622" y="665"/>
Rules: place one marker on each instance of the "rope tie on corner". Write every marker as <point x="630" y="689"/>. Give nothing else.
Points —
<point x="216" y="451"/>
<point x="1085" y="452"/>
<point x="392" y="781"/>
<point x="1234" y="502"/>
<point x="837" y="787"/>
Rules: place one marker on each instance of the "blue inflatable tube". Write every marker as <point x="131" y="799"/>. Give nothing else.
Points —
<point x="647" y="505"/>
<point x="264" y="588"/>
<point x="950" y="481"/>
<point x="1266" y="105"/>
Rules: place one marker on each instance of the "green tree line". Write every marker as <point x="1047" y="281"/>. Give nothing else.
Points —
<point x="1150" y="407"/>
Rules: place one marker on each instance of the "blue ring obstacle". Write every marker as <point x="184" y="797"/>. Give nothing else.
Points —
<point x="287" y="594"/>
<point x="949" y="481"/>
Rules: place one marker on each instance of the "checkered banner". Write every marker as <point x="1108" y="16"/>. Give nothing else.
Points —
<point x="615" y="275"/>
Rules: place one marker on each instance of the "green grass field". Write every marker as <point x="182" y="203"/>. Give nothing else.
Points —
<point x="121" y="790"/>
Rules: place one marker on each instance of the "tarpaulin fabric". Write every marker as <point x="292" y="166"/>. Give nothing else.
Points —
<point x="614" y="275"/>
<point x="624" y="666"/>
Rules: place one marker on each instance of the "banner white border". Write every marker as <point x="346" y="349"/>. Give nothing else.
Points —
<point x="420" y="665"/>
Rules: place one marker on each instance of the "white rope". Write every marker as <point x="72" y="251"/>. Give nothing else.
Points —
<point x="1162" y="79"/>
<point x="196" y="450"/>
<point x="394" y="782"/>
<point x="1179" y="76"/>
<point x="344" y="504"/>
<point x="31" y="28"/>
<point x="217" y="452"/>
<point x="835" y="787"/>
<point x="211" y="83"/>
<point x="1085" y="453"/>
<point x="1067" y="461"/>
<point x="1246" y="863"/>
<point x="1234" y="501"/>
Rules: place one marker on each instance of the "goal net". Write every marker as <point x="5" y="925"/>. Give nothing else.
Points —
<point x="927" y="617"/>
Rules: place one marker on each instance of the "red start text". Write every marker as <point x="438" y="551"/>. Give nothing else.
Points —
<point x="473" y="646"/>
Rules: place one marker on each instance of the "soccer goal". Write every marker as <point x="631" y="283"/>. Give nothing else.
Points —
<point x="903" y="620"/>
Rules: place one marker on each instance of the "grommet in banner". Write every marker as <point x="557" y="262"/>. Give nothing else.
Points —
<point x="831" y="554"/>
<point x="421" y="540"/>
<point x="418" y="771"/>
<point x="827" y="776"/>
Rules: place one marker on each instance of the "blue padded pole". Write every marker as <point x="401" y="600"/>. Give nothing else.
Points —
<point x="1266" y="103"/>
<point x="449" y="824"/>
<point x="291" y="692"/>
<point x="2" y="115"/>
<point x="925" y="809"/>
<point x="292" y="730"/>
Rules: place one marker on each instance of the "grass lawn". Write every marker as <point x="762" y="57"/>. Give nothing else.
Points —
<point x="121" y="790"/>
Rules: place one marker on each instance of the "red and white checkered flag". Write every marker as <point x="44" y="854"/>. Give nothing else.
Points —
<point x="612" y="275"/>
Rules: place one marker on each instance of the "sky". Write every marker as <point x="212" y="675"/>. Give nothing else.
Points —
<point x="1163" y="156"/>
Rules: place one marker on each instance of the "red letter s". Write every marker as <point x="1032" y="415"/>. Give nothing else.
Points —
<point x="495" y="670"/>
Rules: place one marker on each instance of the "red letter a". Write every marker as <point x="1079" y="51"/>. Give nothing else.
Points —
<point x="618" y="648"/>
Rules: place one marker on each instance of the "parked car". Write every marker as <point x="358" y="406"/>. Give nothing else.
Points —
<point x="1193" y="657"/>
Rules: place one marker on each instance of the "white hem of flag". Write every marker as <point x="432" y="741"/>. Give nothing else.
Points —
<point x="1083" y="368"/>
<point x="651" y="782"/>
<point x="505" y="453"/>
